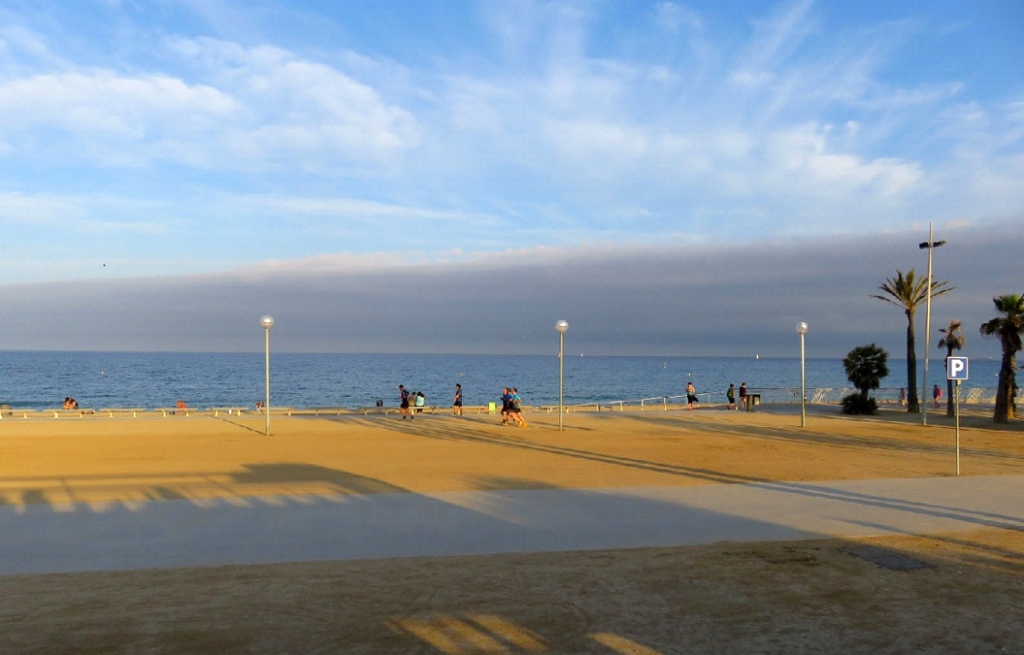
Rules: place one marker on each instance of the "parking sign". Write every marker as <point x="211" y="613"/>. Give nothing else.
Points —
<point x="956" y="368"/>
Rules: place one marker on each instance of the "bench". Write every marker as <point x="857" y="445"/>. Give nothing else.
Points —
<point x="134" y="411"/>
<point x="165" y="411"/>
<point x="230" y="411"/>
<point x="80" y="412"/>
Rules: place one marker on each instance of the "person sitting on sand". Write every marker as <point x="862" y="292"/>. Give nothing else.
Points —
<point x="70" y="403"/>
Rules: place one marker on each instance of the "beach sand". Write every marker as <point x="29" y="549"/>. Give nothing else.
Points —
<point x="808" y="596"/>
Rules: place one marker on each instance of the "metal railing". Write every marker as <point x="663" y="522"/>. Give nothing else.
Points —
<point x="886" y="396"/>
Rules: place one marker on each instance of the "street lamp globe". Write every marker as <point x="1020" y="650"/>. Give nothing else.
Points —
<point x="562" y="326"/>
<point x="267" y="322"/>
<point x="801" y="328"/>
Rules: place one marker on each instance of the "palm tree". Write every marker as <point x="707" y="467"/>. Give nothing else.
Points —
<point x="907" y="292"/>
<point x="865" y="367"/>
<point x="1008" y="328"/>
<point x="953" y="339"/>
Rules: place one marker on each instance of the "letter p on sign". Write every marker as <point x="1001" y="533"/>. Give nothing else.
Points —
<point x="956" y="368"/>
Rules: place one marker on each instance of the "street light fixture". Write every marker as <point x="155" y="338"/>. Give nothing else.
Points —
<point x="930" y="245"/>
<point x="267" y="322"/>
<point x="801" y="329"/>
<point x="562" y="327"/>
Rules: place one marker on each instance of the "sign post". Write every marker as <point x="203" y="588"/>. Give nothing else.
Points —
<point x="957" y="370"/>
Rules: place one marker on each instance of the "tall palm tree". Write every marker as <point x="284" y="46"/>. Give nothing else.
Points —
<point x="1008" y="328"/>
<point x="953" y="339"/>
<point x="908" y="292"/>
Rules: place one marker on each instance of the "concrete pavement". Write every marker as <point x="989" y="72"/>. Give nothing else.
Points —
<point x="39" y="538"/>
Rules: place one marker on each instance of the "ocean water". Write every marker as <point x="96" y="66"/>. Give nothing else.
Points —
<point x="38" y="380"/>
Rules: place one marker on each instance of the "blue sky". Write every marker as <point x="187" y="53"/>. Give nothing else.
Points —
<point x="147" y="140"/>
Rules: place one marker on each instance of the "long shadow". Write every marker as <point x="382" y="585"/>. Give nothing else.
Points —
<point x="812" y="436"/>
<point x="462" y="432"/>
<point x="338" y="480"/>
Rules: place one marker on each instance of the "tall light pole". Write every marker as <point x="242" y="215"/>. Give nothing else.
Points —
<point x="562" y="327"/>
<point x="931" y="245"/>
<point x="267" y="322"/>
<point x="801" y="329"/>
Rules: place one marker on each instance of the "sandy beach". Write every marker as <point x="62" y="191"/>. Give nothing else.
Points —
<point x="796" y="596"/>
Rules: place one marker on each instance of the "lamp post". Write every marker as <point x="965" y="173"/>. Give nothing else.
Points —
<point x="267" y="322"/>
<point x="562" y="327"/>
<point x="931" y="245"/>
<point x="801" y="329"/>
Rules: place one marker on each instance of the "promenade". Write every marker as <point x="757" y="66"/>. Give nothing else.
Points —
<point x="102" y="508"/>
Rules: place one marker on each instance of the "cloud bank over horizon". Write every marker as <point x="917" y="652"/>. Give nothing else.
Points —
<point x="731" y="300"/>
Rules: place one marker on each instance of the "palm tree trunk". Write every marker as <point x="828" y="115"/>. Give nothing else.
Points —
<point x="1005" y="404"/>
<point x="913" y="406"/>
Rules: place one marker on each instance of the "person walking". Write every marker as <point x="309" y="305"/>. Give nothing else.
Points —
<point x="403" y="402"/>
<point x="730" y="395"/>
<point x="936" y="395"/>
<point x="743" y="396"/>
<point x="516" y="408"/>
<point x="457" y="401"/>
<point x="691" y="395"/>
<point x="506" y="399"/>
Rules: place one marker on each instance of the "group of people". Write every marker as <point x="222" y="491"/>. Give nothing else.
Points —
<point x="730" y="395"/>
<point x="512" y="407"/>
<point x="408" y="401"/>
<point x="70" y="403"/>
<point x="511" y="404"/>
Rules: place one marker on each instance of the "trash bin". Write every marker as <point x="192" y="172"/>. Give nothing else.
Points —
<point x="753" y="401"/>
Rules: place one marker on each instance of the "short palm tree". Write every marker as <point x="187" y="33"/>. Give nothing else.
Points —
<point x="908" y="292"/>
<point x="865" y="367"/>
<point x="1008" y="328"/>
<point x="952" y="339"/>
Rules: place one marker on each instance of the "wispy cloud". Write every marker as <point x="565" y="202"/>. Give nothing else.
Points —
<point x="504" y="125"/>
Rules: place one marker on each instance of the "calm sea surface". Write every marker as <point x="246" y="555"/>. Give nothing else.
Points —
<point x="36" y="380"/>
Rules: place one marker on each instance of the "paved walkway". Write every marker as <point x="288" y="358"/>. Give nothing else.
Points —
<point x="182" y="533"/>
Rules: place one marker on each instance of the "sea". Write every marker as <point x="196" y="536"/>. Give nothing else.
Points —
<point x="41" y="380"/>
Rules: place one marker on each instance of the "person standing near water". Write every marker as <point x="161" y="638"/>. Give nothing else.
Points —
<point x="730" y="395"/>
<point x="743" y="395"/>
<point x="691" y="395"/>
<point x="457" y="401"/>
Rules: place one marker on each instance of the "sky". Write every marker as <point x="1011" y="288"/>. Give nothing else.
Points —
<point x="439" y="176"/>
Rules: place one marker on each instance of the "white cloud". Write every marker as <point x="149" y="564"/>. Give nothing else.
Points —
<point x="258" y="106"/>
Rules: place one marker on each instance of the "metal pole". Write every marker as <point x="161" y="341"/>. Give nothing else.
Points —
<point x="803" y="386"/>
<point x="956" y="410"/>
<point x="927" y="331"/>
<point x="561" y="359"/>
<point x="266" y="397"/>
